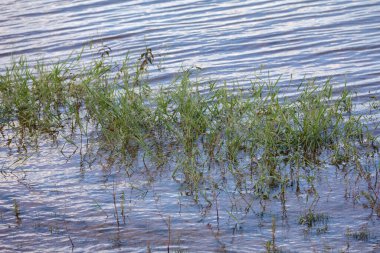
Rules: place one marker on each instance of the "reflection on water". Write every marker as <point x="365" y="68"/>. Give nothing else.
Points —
<point x="52" y="203"/>
<point x="110" y="205"/>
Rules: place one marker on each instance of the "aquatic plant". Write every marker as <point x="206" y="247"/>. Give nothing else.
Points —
<point x="311" y="218"/>
<point x="16" y="210"/>
<point x="362" y="234"/>
<point x="255" y="137"/>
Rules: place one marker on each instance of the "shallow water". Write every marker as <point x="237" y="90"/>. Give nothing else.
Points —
<point x="61" y="201"/>
<point x="63" y="204"/>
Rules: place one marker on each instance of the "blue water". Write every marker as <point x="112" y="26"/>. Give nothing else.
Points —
<point x="63" y="205"/>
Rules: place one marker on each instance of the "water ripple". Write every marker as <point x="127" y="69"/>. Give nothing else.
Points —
<point x="230" y="40"/>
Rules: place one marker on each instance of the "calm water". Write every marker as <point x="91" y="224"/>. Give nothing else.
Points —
<point x="60" y="202"/>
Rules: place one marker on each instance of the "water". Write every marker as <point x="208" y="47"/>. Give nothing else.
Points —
<point x="228" y="39"/>
<point x="62" y="204"/>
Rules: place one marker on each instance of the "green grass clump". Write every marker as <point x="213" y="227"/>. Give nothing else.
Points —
<point x="311" y="218"/>
<point x="255" y="136"/>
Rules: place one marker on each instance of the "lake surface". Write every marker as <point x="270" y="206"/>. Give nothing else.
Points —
<point x="228" y="39"/>
<point x="63" y="204"/>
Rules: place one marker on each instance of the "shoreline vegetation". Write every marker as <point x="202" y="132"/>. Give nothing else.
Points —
<point x="263" y="142"/>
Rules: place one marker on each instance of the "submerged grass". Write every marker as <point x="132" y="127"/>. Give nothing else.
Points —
<point x="259" y="138"/>
<point x="362" y="234"/>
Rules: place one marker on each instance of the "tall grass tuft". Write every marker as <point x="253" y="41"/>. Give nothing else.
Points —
<point x="256" y="137"/>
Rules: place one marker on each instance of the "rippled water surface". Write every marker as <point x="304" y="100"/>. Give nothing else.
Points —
<point x="229" y="39"/>
<point x="64" y="205"/>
